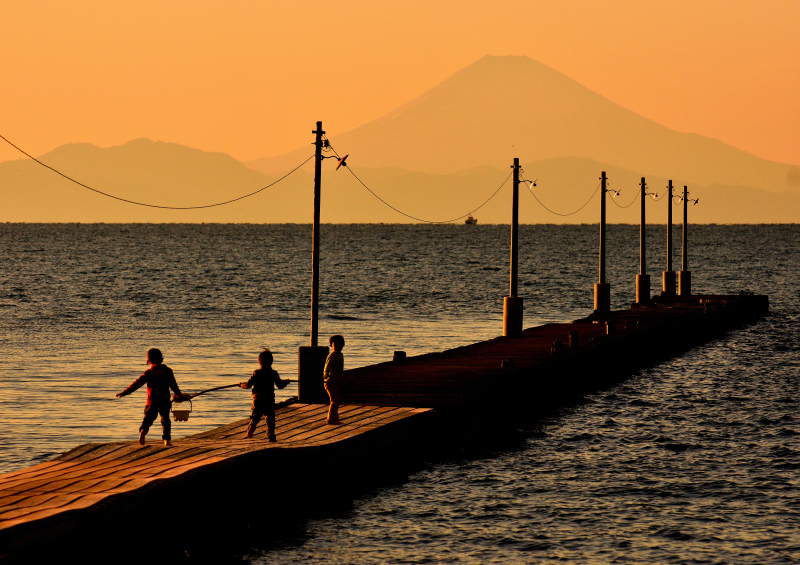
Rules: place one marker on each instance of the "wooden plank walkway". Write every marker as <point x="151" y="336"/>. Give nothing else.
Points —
<point x="471" y="373"/>
<point x="91" y="473"/>
<point x="507" y="374"/>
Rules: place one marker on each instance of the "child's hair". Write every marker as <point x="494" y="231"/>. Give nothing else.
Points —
<point x="265" y="357"/>
<point x="337" y="340"/>
<point x="154" y="356"/>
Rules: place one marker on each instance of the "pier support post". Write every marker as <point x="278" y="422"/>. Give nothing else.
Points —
<point x="512" y="304"/>
<point x="310" y="385"/>
<point x="512" y="316"/>
<point x="668" y="286"/>
<point x="602" y="290"/>
<point x="643" y="279"/>
<point x="315" y="235"/>
<point x="311" y="360"/>
<point x="685" y="276"/>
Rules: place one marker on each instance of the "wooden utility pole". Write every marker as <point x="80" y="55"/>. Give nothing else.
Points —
<point x="512" y="304"/>
<point x="603" y="227"/>
<point x="315" y="238"/>
<point x="668" y="282"/>
<point x="685" y="275"/>
<point x="512" y="290"/>
<point x="602" y="290"/>
<point x="311" y="360"/>
<point x="643" y="279"/>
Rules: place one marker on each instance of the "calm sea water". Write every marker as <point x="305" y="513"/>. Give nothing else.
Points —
<point x="696" y="460"/>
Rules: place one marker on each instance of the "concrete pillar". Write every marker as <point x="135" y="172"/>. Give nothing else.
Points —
<point x="643" y="279"/>
<point x="512" y="316"/>
<point x="642" y="288"/>
<point x="668" y="288"/>
<point x="685" y="283"/>
<point x="602" y="289"/>
<point x="602" y="298"/>
<point x="310" y="364"/>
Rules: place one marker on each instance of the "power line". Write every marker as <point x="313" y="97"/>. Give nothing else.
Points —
<point x="430" y="221"/>
<point x="153" y="205"/>
<point x="628" y="205"/>
<point x="556" y="213"/>
<point x="409" y="215"/>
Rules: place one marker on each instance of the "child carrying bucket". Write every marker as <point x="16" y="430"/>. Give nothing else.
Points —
<point x="262" y="381"/>
<point x="159" y="379"/>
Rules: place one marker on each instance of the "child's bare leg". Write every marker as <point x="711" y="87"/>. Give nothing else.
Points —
<point x="166" y="425"/>
<point x="333" y="409"/>
<point x="271" y="425"/>
<point x="255" y="418"/>
<point x="150" y="414"/>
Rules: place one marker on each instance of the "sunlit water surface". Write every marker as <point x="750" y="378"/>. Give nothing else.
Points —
<point x="693" y="461"/>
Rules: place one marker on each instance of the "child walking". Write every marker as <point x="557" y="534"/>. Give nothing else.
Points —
<point x="262" y="381"/>
<point x="333" y="374"/>
<point x="159" y="379"/>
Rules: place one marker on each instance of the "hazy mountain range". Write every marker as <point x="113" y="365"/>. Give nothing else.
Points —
<point x="438" y="157"/>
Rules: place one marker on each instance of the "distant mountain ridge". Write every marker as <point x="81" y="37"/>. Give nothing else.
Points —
<point x="437" y="158"/>
<point x="504" y="107"/>
<point x="168" y="174"/>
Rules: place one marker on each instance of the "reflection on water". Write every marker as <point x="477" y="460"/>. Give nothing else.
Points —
<point x="695" y="460"/>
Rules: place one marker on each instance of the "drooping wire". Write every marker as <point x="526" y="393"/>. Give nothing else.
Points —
<point x="355" y="176"/>
<point x="430" y="221"/>
<point x="553" y="211"/>
<point x="153" y="205"/>
<point x="628" y="205"/>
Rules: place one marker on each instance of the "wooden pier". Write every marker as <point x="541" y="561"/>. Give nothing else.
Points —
<point x="393" y="412"/>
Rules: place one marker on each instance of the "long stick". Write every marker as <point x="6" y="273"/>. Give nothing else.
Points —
<point x="211" y="389"/>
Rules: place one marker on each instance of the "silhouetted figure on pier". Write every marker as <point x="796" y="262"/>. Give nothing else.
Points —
<point x="263" y="381"/>
<point x="333" y="375"/>
<point x="159" y="379"/>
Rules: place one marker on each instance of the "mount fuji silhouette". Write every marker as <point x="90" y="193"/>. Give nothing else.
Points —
<point x="499" y="108"/>
<point x="437" y="158"/>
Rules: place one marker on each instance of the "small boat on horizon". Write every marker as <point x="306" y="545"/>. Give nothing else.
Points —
<point x="471" y="221"/>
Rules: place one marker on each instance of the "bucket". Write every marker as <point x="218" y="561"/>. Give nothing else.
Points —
<point x="181" y="414"/>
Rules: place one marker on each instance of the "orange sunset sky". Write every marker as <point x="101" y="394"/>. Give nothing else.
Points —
<point x="251" y="78"/>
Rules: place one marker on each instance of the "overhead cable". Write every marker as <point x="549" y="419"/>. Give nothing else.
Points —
<point x="557" y="213"/>
<point x="628" y="205"/>
<point x="409" y="215"/>
<point x="153" y="205"/>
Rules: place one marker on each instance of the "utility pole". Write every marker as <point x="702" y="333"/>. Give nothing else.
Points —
<point x="315" y="237"/>
<point x="512" y="304"/>
<point x="311" y="360"/>
<point x="668" y="286"/>
<point x="685" y="275"/>
<point x="643" y="279"/>
<point x="602" y="290"/>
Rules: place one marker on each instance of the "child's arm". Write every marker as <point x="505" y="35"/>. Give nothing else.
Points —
<point x="249" y="382"/>
<point x="134" y="385"/>
<point x="279" y="382"/>
<point x="175" y="388"/>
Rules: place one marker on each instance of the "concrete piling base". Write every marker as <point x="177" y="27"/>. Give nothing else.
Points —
<point x="668" y="287"/>
<point x="512" y="316"/>
<point x="642" y="288"/>
<point x="602" y="298"/>
<point x="685" y="283"/>
<point x="310" y="364"/>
